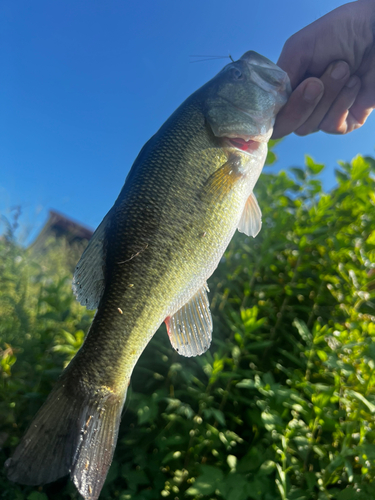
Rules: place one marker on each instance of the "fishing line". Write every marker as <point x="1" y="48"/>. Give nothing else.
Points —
<point x="210" y="58"/>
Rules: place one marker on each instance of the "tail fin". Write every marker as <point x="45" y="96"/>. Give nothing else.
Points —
<point x="70" y="434"/>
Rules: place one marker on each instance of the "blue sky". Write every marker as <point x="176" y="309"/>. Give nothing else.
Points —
<point x="86" y="83"/>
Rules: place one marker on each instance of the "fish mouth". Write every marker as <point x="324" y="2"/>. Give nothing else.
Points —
<point x="247" y="144"/>
<point x="267" y="75"/>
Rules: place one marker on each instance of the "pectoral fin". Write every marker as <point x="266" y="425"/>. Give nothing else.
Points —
<point x="190" y="328"/>
<point x="251" y="220"/>
<point x="222" y="181"/>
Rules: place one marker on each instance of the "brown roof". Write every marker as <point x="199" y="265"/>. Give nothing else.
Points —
<point x="57" y="226"/>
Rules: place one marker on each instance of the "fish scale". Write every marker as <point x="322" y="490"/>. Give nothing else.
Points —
<point x="187" y="192"/>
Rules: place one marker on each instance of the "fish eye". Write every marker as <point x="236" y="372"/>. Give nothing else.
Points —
<point x="237" y="74"/>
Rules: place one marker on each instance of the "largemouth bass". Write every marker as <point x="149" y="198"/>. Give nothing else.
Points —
<point x="187" y="192"/>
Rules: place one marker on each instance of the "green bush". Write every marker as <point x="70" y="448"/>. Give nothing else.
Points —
<point x="281" y="407"/>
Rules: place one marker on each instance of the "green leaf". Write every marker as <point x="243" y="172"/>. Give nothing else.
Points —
<point x="36" y="495"/>
<point x="172" y="455"/>
<point x="246" y="384"/>
<point x="360" y="168"/>
<point x="267" y="468"/>
<point x="219" y="416"/>
<point x="257" y="488"/>
<point x="271" y="158"/>
<point x="303" y="330"/>
<point x="341" y="176"/>
<point x="206" y="483"/>
<point x="314" y="168"/>
<point x="233" y="487"/>
<point x="371" y="239"/>
<point x="360" y="397"/>
<point x="349" y="470"/>
<point x="347" y="494"/>
<point x="371" y="162"/>
<point x="251" y="461"/>
<point x="232" y="461"/>
<point x="299" y="173"/>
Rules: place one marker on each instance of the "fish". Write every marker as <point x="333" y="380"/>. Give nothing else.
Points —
<point x="189" y="189"/>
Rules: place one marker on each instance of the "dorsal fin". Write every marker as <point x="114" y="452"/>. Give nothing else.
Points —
<point x="190" y="328"/>
<point x="251" y="219"/>
<point x="89" y="275"/>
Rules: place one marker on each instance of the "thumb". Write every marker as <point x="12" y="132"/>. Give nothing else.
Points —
<point x="295" y="58"/>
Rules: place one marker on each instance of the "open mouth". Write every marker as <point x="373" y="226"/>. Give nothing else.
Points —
<point x="245" y="145"/>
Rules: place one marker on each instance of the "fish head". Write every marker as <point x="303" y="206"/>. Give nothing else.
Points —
<point x="242" y="100"/>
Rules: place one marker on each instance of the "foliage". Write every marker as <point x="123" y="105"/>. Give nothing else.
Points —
<point x="281" y="407"/>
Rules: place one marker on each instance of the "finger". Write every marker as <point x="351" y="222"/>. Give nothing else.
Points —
<point x="365" y="102"/>
<point x="357" y="119"/>
<point x="299" y="107"/>
<point x="334" y="79"/>
<point x="296" y="56"/>
<point x="339" y="120"/>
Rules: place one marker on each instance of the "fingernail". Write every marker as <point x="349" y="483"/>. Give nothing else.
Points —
<point x="312" y="91"/>
<point x="339" y="71"/>
<point x="351" y="82"/>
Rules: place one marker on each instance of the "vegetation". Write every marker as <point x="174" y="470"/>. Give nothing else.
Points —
<point x="283" y="404"/>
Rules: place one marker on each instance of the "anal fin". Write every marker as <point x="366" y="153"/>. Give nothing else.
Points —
<point x="251" y="219"/>
<point x="190" y="328"/>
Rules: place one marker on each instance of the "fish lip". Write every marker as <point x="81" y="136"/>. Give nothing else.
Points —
<point x="248" y="147"/>
<point x="247" y="138"/>
<point x="282" y="89"/>
<point x="253" y="60"/>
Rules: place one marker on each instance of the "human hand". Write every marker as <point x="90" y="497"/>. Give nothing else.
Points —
<point x="331" y="65"/>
